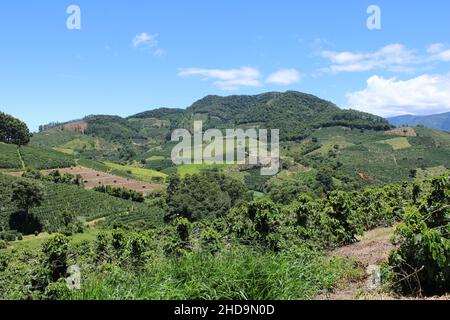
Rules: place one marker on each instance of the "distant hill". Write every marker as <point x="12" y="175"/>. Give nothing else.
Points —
<point x="296" y="113"/>
<point x="435" y="121"/>
<point x="316" y="136"/>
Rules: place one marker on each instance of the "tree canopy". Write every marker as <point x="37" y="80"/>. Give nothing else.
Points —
<point x="13" y="131"/>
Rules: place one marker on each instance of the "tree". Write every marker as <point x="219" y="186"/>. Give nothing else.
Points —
<point x="325" y="179"/>
<point x="55" y="252"/>
<point x="27" y="195"/>
<point x="13" y="131"/>
<point x="204" y="195"/>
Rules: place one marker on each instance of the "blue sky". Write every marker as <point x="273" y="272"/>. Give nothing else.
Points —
<point x="136" y="55"/>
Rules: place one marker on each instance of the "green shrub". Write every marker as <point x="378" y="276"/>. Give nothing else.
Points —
<point x="3" y="244"/>
<point x="421" y="262"/>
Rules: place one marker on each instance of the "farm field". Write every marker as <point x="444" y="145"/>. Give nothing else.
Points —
<point x="84" y="204"/>
<point x="139" y="173"/>
<point x="33" y="242"/>
<point x="41" y="159"/>
<point x="9" y="157"/>
<point x="93" y="178"/>
<point x="398" y="143"/>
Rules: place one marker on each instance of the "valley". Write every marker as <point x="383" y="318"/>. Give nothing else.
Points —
<point x="103" y="193"/>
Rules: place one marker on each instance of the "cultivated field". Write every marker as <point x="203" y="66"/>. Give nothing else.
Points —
<point x="93" y="178"/>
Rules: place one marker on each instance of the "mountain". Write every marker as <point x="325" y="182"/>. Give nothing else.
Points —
<point x="435" y="121"/>
<point x="296" y="113"/>
<point x="353" y="148"/>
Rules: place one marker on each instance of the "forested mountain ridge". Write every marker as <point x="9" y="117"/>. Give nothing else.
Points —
<point x="435" y="121"/>
<point x="296" y="114"/>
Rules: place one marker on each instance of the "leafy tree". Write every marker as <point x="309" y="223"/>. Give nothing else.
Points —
<point x="204" y="195"/>
<point x="27" y="195"/>
<point x="342" y="220"/>
<point x="421" y="262"/>
<point x="55" y="252"/>
<point x="325" y="179"/>
<point x="210" y="239"/>
<point x="13" y="131"/>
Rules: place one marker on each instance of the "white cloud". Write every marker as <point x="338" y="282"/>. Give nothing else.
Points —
<point x="439" y="52"/>
<point x="426" y="94"/>
<point x="226" y="79"/>
<point x="159" y="52"/>
<point x="393" y="57"/>
<point x="149" y="42"/>
<point x="145" y="39"/>
<point x="284" y="77"/>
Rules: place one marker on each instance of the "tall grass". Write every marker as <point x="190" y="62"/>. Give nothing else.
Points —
<point x="237" y="273"/>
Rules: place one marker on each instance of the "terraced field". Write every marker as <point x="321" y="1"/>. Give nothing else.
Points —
<point x="86" y="204"/>
<point x="93" y="178"/>
<point x="398" y="143"/>
<point x="9" y="157"/>
<point x="41" y="159"/>
<point x="146" y="175"/>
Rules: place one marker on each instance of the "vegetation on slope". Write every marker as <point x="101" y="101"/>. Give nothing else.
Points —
<point x="13" y="131"/>
<point x="63" y="198"/>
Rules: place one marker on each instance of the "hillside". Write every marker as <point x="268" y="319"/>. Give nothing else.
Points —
<point x="357" y="148"/>
<point x="14" y="157"/>
<point x="224" y="231"/>
<point x="63" y="199"/>
<point x="435" y="121"/>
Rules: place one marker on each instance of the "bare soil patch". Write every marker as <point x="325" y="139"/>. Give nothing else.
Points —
<point x="403" y="132"/>
<point x="372" y="249"/>
<point x="93" y="178"/>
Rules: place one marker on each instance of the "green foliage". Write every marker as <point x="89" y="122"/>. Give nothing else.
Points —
<point x="211" y="240"/>
<point x="297" y="113"/>
<point x="42" y="159"/>
<point x="9" y="157"/>
<point x="13" y="131"/>
<point x="122" y="248"/>
<point x="121" y="193"/>
<point x="341" y="218"/>
<point x="55" y="252"/>
<point x="325" y="179"/>
<point x="205" y="195"/>
<point x="54" y="176"/>
<point x="421" y="262"/>
<point x="91" y="205"/>
<point x="27" y="195"/>
<point x="236" y="273"/>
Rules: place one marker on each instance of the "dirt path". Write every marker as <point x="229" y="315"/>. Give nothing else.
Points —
<point x="372" y="250"/>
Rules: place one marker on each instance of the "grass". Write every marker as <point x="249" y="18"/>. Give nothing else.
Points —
<point x="155" y="158"/>
<point x="330" y="143"/>
<point x="398" y="143"/>
<point x="139" y="173"/>
<point x="423" y="174"/>
<point x="66" y="151"/>
<point x="191" y="169"/>
<point x="34" y="243"/>
<point x="236" y="273"/>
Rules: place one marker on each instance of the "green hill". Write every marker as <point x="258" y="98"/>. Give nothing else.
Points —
<point x="315" y="136"/>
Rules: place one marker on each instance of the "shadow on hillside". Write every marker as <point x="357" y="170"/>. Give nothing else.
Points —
<point x="25" y="223"/>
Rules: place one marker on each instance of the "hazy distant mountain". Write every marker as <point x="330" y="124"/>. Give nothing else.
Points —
<point x="435" y="121"/>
